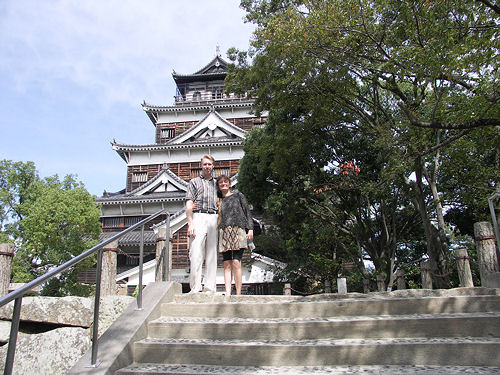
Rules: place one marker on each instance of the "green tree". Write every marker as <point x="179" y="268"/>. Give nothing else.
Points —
<point x="50" y="221"/>
<point x="16" y="182"/>
<point x="413" y="77"/>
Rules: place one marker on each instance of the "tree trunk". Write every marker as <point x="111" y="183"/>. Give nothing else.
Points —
<point x="362" y="269"/>
<point x="436" y="249"/>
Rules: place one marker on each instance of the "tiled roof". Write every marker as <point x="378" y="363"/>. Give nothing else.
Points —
<point x="131" y="238"/>
<point x="157" y="177"/>
<point x="208" y="139"/>
<point x="153" y="197"/>
<point x="173" y="216"/>
<point x="217" y="61"/>
<point x="204" y="76"/>
<point x="229" y="103"/>
<point x="213" y="142"/>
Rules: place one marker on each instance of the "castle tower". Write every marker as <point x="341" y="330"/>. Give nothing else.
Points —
<point x="202" y="120"/>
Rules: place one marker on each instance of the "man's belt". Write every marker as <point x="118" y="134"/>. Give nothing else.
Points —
<point x="205" y="212"/>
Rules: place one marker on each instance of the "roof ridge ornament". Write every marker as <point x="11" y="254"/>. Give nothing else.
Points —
<point x="217" y="50"/>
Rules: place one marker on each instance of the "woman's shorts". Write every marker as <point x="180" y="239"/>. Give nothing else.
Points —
<point x="232" y="255"/>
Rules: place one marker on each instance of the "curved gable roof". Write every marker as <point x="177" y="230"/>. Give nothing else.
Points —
<point x="217" y="66"/>
<point x="212" y="126"/>
<point x="215" y="69"/>
<point x="165" y="178"/>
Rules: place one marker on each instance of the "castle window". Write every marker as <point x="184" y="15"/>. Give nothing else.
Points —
<point x="167" y="133"/>
<point x="131" y="220"/>
<point x="219" y="171"/>
<point x="197" y="95"/>
<point x="111" y="222"/>
<point x="217" y="94"/>
<point x="195" y="172"/>
<point x="139" y="176"/>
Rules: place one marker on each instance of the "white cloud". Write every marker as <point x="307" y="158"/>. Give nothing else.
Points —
<point x="120" y="50"/>
<point x="74" y="73"/>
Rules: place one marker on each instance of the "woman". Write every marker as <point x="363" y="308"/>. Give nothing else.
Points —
<point x="235" y="220"/>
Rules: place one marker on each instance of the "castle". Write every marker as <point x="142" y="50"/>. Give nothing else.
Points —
<point x="202" y="120"/>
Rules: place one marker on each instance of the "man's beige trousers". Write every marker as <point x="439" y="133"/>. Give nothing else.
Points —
<point x="203" y="247"/>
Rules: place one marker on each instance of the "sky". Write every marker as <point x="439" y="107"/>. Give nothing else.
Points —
<point x="73" y="75"/>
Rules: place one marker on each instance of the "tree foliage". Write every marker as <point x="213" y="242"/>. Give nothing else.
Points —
<point x="50" y="221"/>
<point x="407" y="91"/>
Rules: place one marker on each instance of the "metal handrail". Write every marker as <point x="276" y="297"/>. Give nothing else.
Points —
<point x="494" y="218"/>
<point x="18" y="294"/>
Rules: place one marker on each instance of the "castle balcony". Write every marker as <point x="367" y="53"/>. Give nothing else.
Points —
<point x="207" y="98"/>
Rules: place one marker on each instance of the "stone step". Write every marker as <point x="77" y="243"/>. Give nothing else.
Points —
<point x="324" y="352"/>
<point x="384" y="326"/>
<point x="405" y="293"/>
<point x="218" y="307"/>
<point x="162" y="369"/>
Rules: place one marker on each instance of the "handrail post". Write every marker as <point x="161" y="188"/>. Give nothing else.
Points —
<point x="14" y="329"/>
<point x="166" y="254"/>
<point x="97" y="300"/>
<point x="141" y="254"/>
<point x="494" y="218"/>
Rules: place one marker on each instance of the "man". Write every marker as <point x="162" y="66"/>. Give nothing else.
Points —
<point x="201" y="213"/>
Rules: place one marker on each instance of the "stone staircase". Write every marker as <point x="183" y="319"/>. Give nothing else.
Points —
<point x="424" y="332"/>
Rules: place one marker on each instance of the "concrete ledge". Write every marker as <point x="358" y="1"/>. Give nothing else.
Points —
<point x="491" y="279"/>
<point x="116" y="344"/>
<point x="14" y="286"/>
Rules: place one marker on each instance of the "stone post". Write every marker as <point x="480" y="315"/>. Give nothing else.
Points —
<point x="463" y="267"/>
<point x="161" y="252"/>
<point x="381" y="282"/>
<point x="401" y="279"/>
<point x="342" y="285"/>
<point x="425" y="270"/>
<point x="366" y="285"/>
<point x="486" y="250"/>
<point x="287" y="290"/>
<point x="6" y="255"/>
<point x="108" y="273"/>
<point x="328" y="286"/>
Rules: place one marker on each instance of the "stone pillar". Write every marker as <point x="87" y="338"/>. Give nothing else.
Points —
<point x="401" y="279"/>
<point x="463" y="267"/>
<point x="6" y="255"/>
<point x="161" y="252"/>
<point x="328" y="286"/>
<point x="425" y="270"/>
<point x="486" y="250"/>
<point x="342" y="285"/>
<point x="108" y="273"/>
<point x="287" y="290"/>
<point x="366" y="285"/>
<point x="381" y="282"/>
